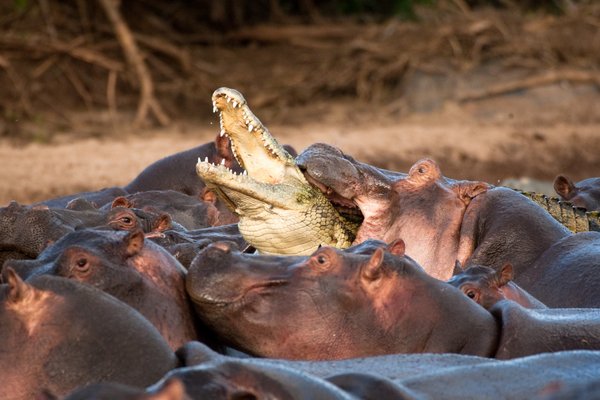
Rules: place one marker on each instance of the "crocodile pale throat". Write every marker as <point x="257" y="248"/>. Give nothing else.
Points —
<point x="279" y="211"/>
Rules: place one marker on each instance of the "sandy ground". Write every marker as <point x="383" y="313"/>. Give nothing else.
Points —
<point x="465" y="148"/>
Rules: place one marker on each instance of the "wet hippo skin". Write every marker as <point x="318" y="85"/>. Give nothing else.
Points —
<point x="59" y="334"/>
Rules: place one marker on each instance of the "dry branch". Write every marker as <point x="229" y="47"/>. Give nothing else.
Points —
<point x="148" y="103"/>
<point x="544" y="79"/>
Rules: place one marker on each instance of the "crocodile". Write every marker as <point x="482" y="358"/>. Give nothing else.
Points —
<point x="576" y="219"/>
<point x="279" y="211"/>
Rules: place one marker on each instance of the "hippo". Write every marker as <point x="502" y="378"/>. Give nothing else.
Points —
<point x="177" y="171"/>
<point x="187" y="211"/>
<point x="341" y="304"/>
<point x="441" y="220"/>
<point x="125" y="265"/>
<point x="26" y="230"/>
<point x="185" y="245"/>
<point x="58" y="334"/>
<point x="422" y="207"/>
<point x="402" y="376"/>
<point x="584" y="194"/>
<point x="567" y="274"/>
<point x="487" y="286"/>
<point x="333" y="305"/>
<point x="98" y="198"/>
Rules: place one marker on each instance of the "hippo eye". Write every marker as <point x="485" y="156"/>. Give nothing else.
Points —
<point x="126" y="220"/>
<point x="82" y="264"/>
<point x="421" y="170"/>
<point x="320" y="261"/>
<point x="470" y="294"/>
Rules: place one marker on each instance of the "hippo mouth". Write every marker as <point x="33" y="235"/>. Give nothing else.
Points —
<point x="346" y="207"/>
<point x="237" y="300"/>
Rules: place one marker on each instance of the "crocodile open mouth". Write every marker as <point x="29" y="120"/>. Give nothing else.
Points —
<point x="252" y="144"/>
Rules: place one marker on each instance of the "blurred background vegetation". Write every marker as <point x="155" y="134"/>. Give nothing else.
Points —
<point x="77" y="55"/>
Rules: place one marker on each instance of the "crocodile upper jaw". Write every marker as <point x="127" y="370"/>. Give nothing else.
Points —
<point x="251" y="142"/>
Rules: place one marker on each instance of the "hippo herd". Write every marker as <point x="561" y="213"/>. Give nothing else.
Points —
<point x="451" y="289"/>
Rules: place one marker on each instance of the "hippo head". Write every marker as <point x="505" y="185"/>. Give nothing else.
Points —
<point x="27" y="230"/>
<point x="422" y="207"/>
<point x="583" y="194"/>
<point x="130" y="219"/>
<point x="331" y="305"/>
<point x="483" y="284"/>
<point x="125" y="265"/>
<point x="58" y="334"/>
<point x="86" y="255"/>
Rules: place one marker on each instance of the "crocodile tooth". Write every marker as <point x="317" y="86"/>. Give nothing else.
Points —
<point x="228" y="98"/>
<point x="215" y="109"/>
<point x="222" y="133"/>
<point x="250" y="127"/>
<point x="245" y="172"/>
<point x="234" y="103"/>
<point x="222" y="161"/>
<point x="206" y="159"/>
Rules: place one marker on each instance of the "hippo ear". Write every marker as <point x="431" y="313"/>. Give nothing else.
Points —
<point x="564" y="187"/>
<point x="134" y="242"/>
<point x="458" y="269"/>
<point x="163" y="223"/>
<point x="468" y="190"/>
<point x="172" y="389"/>
<point x="208" y="196"/>
<point x="424" y="171"/>
<point x="121" y="202"/>
<point x="371" y="271"/>
<point x="18" y="289"/>
<point x="397" y="247"/>
<point x="505" y="274"/>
